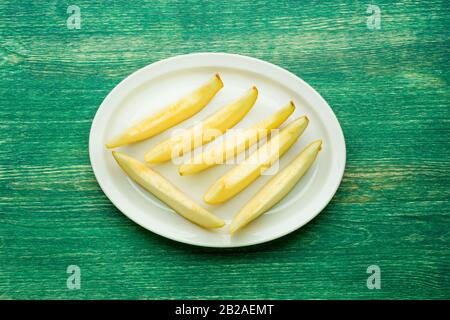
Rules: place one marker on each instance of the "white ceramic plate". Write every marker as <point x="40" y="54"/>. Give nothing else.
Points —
<point x="160" y="83"/>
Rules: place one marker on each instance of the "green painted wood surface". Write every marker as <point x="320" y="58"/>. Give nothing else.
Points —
<point x="389" y="88"/>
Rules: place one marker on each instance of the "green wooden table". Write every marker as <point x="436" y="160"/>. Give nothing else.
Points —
<point x="389" y="87"/>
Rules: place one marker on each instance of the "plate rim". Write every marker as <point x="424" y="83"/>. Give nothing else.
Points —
<point x="284" y="232"/>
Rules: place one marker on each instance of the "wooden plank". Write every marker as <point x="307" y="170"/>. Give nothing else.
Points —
<point x="388" y="87"/>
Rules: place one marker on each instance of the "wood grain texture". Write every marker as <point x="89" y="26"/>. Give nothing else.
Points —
<point x="389" y="89"/>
